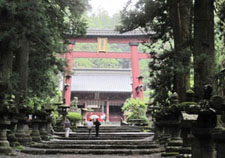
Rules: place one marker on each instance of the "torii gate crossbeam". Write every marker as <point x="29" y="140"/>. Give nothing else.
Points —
<point x="114" y="55"/>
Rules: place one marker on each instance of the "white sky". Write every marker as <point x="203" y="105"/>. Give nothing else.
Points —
<point x="112" y="6"/>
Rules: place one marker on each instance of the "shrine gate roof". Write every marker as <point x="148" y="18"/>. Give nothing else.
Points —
<point x="101" y="80"/>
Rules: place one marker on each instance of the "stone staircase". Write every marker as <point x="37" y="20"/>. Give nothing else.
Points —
<point x="126" y="140"/>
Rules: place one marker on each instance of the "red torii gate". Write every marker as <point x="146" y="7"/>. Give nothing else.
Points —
<point x="133" y="38"/>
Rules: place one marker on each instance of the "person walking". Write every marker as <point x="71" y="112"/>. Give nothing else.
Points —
<point x="97" y="124"/>
<point x="67" y="127"/>
<point x="89" y="126"/>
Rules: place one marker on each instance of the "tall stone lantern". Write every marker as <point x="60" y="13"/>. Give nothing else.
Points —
<point x="63" y="110"/>
<point x="4" y="124"/>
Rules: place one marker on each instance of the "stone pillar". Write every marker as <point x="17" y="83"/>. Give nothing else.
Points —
<point x="42" y="130"/>
<point x="158" y="129"/>
<point x="11" y="134"/>
<point x="185" y="151"/>
<point x="4" y="144"/>
<point x="165" y="135"/>
<point x="35" y="134"/>
<point x="203" y="145"/>
<point x="22" y="136"/>
<point x="68" y="80"/>
<point x="220" y="143"/>
<point x="107" y="111"/>
<point x="135" y="68"/>
<point x="175" y="142"/>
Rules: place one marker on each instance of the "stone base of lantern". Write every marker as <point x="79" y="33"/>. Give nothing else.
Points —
<point x="42" y="130"/>
<point x="35" y="134"/>
<point x="11" y="134"/>
<point x="4" y="144"/>
<point x="22" y="136"/>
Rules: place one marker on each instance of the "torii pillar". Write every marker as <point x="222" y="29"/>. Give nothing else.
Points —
<point x="137" y="80"/>
<point x="68" y="77"/>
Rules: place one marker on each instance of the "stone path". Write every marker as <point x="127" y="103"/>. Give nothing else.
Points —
<point x="22" y="155"/>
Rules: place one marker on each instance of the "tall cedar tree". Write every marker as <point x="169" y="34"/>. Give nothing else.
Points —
<point x="204" y="64"/>
<point x="35" y="28"/>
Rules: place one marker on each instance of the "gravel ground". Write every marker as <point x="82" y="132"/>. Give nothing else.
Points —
<point x="22" y="155"/>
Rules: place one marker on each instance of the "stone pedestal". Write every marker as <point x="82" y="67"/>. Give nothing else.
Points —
<point x="158" y="129"/>
<point x="185" y="151"/>
<point x="35" y="134"/>
<point x="203" y="145"/>
<point x="164" y="135"/>
<point x="11" y="134"/>
<point x="175" y="143"/>
<point x="49" y="120"/>
<point x="220" y="143"/>
<point x="42" y="130"/>
<point x="22" y="136"/>
<point x="4" y="144"/>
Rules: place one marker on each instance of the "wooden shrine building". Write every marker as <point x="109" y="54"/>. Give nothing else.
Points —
<point x="102" y="90"/>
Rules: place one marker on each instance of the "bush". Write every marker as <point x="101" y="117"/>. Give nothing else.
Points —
<point x="74" y="117"/>
<point x="136" y="109"/>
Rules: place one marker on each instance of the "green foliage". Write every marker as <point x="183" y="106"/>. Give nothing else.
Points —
<point x="54" y="117"/>
<point x="102" y="20"/>
<point x="162" y="68"/>
<point x="43" y="101"/>
<point x="46" y="26"/>
<point x="19" y="147"/>
<point x="151" y="15"/>
<point x="190" y="91"/>
<point x="74" y="116"/>
<point x="135" y="108"/>
<point x="186" y="104"/>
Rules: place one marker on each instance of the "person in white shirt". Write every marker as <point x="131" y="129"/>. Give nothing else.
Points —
<point x="90" y="125"/>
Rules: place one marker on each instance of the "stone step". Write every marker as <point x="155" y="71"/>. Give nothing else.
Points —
<point x="100" y="138"/>
<point x="103" y="136"/>
<point x="39" y="151"/>
<point x="113" y="127"/>
<point x="99" y="142"/>
<point x="107" y="130"/>
<point x="95" y="146"/>
<point x="117" y="134"/>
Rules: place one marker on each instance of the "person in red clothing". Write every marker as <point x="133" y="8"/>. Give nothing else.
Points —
<point x="97" y="124"/>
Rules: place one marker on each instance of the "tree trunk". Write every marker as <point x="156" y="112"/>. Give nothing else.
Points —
<point x="204" y="63"/>
<point x="180" y="17"/>
<point x="21" y="66"/>
<point x="6" y="59"/>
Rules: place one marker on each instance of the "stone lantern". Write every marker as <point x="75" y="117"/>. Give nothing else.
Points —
<point x="171" y="120"/>
<point x="205" y="128"/>
<point x="49" y="110"/>
<point x="12" y="129"/>
<point x="63" y="110"/>
<point x="35" y="134"/>
<point x="22" y="133"/>
<point x="43" y="123"/>
<point x="4" y="124"/>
